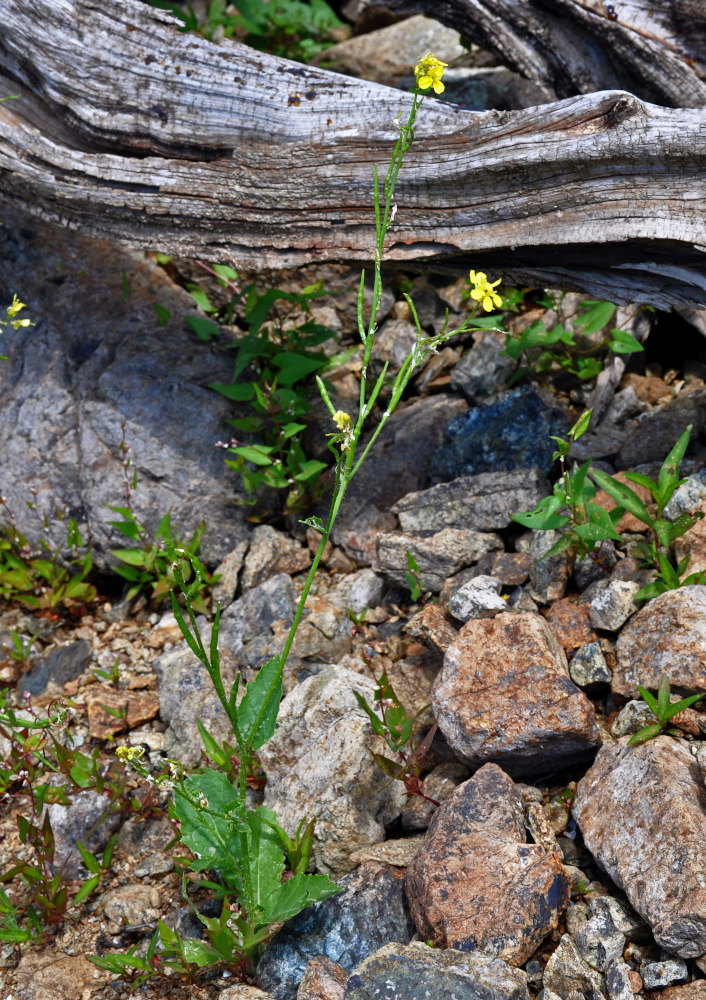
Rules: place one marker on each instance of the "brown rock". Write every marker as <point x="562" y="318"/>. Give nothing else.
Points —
<point x="476" y="884"/>
<point x="432" y="626"/>
<point x="135" y="707"/>
<point x="648" y="388"/>
<point x="270" y="553"/>
<point x="693" y="543"/>
<point x="511" y="568"/>
<point x="636" y="983"/>
<point x="667" y="636"/>
<point x="628" y="522"/>
<point x="642" y="813"/>
<point x="504" y="695"/>
<point x="130" y="904"/>
<point x="50" y="975"/>
<point x="688" y="991"/>
<point x="399" y="853"/>
<point x="323" y="979"/>
<point x="571" y="623"/>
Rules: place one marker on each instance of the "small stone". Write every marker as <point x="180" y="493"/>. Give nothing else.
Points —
<point x="557" y="814"/>
<point x="637" y="983"/>
<point x="242" y="991"/>
<point x="571" y="624"/>
<point x="618" y="980"/>
<point x="612" y="608"/>
<point x="417" y="971"/>
<point x="575" y="918"/>
<point x="400" y="853"/>
<point x="566" y="971"/>
<point x="84" y="819"/>
<point x="535" y="972"/>
<point x="484" y="370"/>
<point x="511" y="568"/>
<point x="623" y="917"/>
<point x="600" y="942"/>
<point x="128" y="905"/>
<point x="588" y="668"/>
<point x="60" y="665"/>
<point x="479" y="598"/>
<point x="366" y="591"/>
<point x="271" y="553"/>
<point x="432" y="627"/>
<point x="668" y="635"/>
<point x="323" y="979"/>
<point x="224" y="589"/>
<point x="695" y="990"/>
<point x="631" y="718"/>
<point x="657" y="974"/>
<point x="438" y="555"/>
<point x="540" y="829"/>
<point x="548" y="577"/>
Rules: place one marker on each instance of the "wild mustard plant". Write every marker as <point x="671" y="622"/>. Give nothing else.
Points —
<point x="245" y="847"/>
<point x="14" y="308"/>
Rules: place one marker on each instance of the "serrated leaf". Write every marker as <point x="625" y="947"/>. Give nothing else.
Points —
<point x="257" y="712"/>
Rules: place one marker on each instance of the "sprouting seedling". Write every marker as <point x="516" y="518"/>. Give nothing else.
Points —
<point x="664" y="709"/>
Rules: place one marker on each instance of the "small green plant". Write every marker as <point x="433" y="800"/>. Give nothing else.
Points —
<point x="43" y="577"/>
<point x="664" y="709"/>
<point x="112" y="675"/>
<point x="246" y="848"/>
<point x="293" y="29"/>
<point x="39" y="769"/>
<point x="584" y="524"/>
<point x="540" y="351"/>
<point x="396" y="727"/>
<point x="20" y="650"/>
<point x="412" y="577"/>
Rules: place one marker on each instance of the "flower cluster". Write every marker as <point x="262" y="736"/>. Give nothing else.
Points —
<point x="344" y="423"/>
<point x="483" y="291"/>
<point x="11" y="313"/>
<point x="428" y="73"/>
<point x="130" y="754"/>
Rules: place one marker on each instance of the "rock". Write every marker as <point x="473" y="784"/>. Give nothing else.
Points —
<point x="438" y="555"/>
<point x="51" y="975"/>
<point x="76" y="822"/>
<point x="438" y="785"/>
<point x="186" y="694"/>
<point x="224" y="589"/>
<point x="136" y="707"/>
<point x="323" y="979"/>
<point x="667" y="636"/>
<point x="688" y="497"/>
<point x="271" y="553"/>
<point x="566" y="971"/>
<point x="511" y="433"/>
<point x="479" y="598"/>
<point x="394" y="340"/>
<point x="588" y="668"/>
<point x="399" y="853"/>
<point x="323" y="637"/>
<point x="511" y="568"/>
<point x="484" y="370"/>
<point x="128" y="905"/>
<point x="397" y="972"/>
<point x="695" y="990"/>
<point x="693" y="543"/>
<point x="656" y="433"/>
<point x="346" y="928"/>
<point x="483" y="502"/>
<point x="60" y="665"/>
<point x="539" y="828"/>
<point x="398" y="464"/>
<point x="366" y="591"/>
<point x="548" y="577"/>
<point x="617" y="980"/>
<point x="622" y="916"/>
<point x="143" y="842"/>
<point x="614" y="605"/>
<point x="657" y="974"/>
<point x="318" y="764"/>
<point x="571" y="625"/>
<point x="386" y="54"/>
<point x="432" y="627"/>
<point x="640" y="809"/>
<point x="94" y="360"/>
<point x="504" y="695"/>
<point x="631" y="718"/>
<point x="575" y="918"/>
<point x="241" y="991"/>
<point x="476" y="884"/>
<point x="599" y="941"/>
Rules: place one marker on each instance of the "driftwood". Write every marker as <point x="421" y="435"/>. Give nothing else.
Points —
<point x="656" y="49"/>
<point x="135" y="132"/>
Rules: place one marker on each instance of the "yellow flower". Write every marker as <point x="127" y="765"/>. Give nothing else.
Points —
<point x="344" y="423"/>
<point x="484" y="291"/>
<point x="428" y="73"/>
<point x="130" y="753"/>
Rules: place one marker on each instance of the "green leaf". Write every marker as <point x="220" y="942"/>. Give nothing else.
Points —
<point x="308" y="470"/>
<point x="241" y="392"/>
<point x="645" y="734"/>
<point x="374" y="720"/>
<point x="669" y="473"/>
<point x="86" y="889"/>
<point x="598" y="527"/>
<point x="225" y="273"/>
<point x="80" y="778"/>
<point x="667" y="572"/>
<point x="133" y="557"/>
<point x="663" y="698"/>
<point x="595" y="318"/>
<point x="649" y="698"/>
<point x="543" y="517"/>
<point x="298" y="892"/>
<point x="581" y="425"/>
<point x="389" y="767"/>
<point x="89" y="861"/>
<point x="212" y="748"/>
<point x="289" y="430"/>
<point x="163" y="314"/>
<point x="257" y="712"/>
<point x="198" y="952"/>
<point x="623" y="495"/>
<point x="623" y="342"/>
<point x="294" y="367"/>
<point x="200" y="298"/>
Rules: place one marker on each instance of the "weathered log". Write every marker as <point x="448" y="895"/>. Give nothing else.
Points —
<point x="135" y="132"/>
<point x="656" y="49"/>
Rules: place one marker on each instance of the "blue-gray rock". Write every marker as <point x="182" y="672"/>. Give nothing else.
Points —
<point x="617" y="981"/>
<point x="59" y="666"/>
<point x="83" y="819"/>
<point x="416" y="971"/>
<point x="369" y="913"/>
<point x="599" y="941"/>
<point x="479" y="598"/>
<point x="656" y="975"/>
<point x="246" y="624"/>
<point x="484" y="370"/>
<point x="511" y="433"/>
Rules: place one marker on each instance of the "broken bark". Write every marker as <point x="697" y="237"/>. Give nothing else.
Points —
<point x="656" y="49"/>
<point x="135" y="132"/>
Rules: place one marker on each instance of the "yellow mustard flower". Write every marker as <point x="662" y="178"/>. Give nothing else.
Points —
<point x="484" y="291"/>
<point x="428" y="73"/>
<point x="344" y="423"/>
